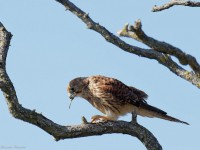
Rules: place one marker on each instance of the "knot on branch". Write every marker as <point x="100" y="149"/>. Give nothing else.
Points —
<point x="84" y="120"/>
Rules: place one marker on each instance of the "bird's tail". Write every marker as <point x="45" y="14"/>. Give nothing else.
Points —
<point x="151" y="111"/>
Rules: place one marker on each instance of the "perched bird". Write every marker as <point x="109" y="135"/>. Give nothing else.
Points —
<point x="113" y="98"/>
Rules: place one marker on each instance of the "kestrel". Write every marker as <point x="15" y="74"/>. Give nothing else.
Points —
<point x="113" y="98"/>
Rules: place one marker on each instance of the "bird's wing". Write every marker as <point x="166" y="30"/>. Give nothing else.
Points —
<point x="113" y="89"/>
<point x="140" y="93"/>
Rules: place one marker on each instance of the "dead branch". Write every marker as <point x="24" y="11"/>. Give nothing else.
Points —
<point x="174" y="3"/>
<point x="60" y="131"/>
<point x="168" y="50"/>
<point x="160" y="55"/>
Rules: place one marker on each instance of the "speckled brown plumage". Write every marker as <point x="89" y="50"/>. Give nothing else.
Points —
<point x="113" y="98"/>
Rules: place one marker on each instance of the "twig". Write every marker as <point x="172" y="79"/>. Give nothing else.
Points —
<point x="60" y="131"/>
<point x="175" y="2"/>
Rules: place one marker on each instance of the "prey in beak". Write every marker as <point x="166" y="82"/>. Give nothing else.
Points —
<point x="71" y="94"/>
<point x="71" y="97"/>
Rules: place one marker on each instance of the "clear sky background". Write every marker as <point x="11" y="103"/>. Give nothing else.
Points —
<point x="51" y="46"/>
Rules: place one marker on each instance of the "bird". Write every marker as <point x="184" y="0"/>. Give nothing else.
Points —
<point x="114" y="98"/>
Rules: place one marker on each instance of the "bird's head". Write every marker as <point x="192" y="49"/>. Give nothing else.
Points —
<point x="75" y="87"/>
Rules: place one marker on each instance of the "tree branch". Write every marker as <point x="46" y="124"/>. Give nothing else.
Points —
<point x="138" y="34"/>
<point x="175" y="2"/>
<point x="60" y="131"/>
<point x="156" y="54"/>
<point x="168" y="50"/>
<point x="106" y="34"/>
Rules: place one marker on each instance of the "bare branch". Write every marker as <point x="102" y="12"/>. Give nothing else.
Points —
<point x="175" y="2"/>
<point x="162" y="58"/>
<point x="138" y="34"/>
<point x="60" y="131"/>
<point x="168" y="50"/>
<point x="106" y="34"/>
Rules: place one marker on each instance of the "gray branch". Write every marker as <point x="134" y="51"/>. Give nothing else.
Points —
<point x="61" y="131"/>
<point x="167" y="50"/>
<point x="159" y="51"/>
<point x="174" y="3"/>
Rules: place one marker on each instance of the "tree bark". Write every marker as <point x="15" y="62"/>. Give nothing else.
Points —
<point x="61" y="131"/>
<point x="167" y="50"/>
<point x="159" y="51"/>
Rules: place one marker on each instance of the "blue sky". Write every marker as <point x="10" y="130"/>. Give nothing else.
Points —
<point x="51" y="46"/>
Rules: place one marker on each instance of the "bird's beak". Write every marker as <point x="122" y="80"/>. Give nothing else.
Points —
<point x="71" y="96"/>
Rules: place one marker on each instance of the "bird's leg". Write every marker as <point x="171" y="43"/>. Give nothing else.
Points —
<point x="134" y="117"/>
<point x="98" y="118"/>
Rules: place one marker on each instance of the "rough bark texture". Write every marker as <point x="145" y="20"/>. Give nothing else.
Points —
<point x="174" y="3"/>
<point x="159" y="51"/>
<point x="60" y="131"/>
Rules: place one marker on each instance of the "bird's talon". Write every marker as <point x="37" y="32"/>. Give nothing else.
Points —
<point x="99" y="119"/>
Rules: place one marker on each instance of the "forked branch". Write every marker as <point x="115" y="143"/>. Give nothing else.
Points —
<point x="174" y="3"/>
<point x="135" y="32"/>
<point x="60" y="131"/>
<point x="159" y="51"/>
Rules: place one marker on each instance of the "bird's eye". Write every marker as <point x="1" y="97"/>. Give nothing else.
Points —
<point x="72" y="90"/>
